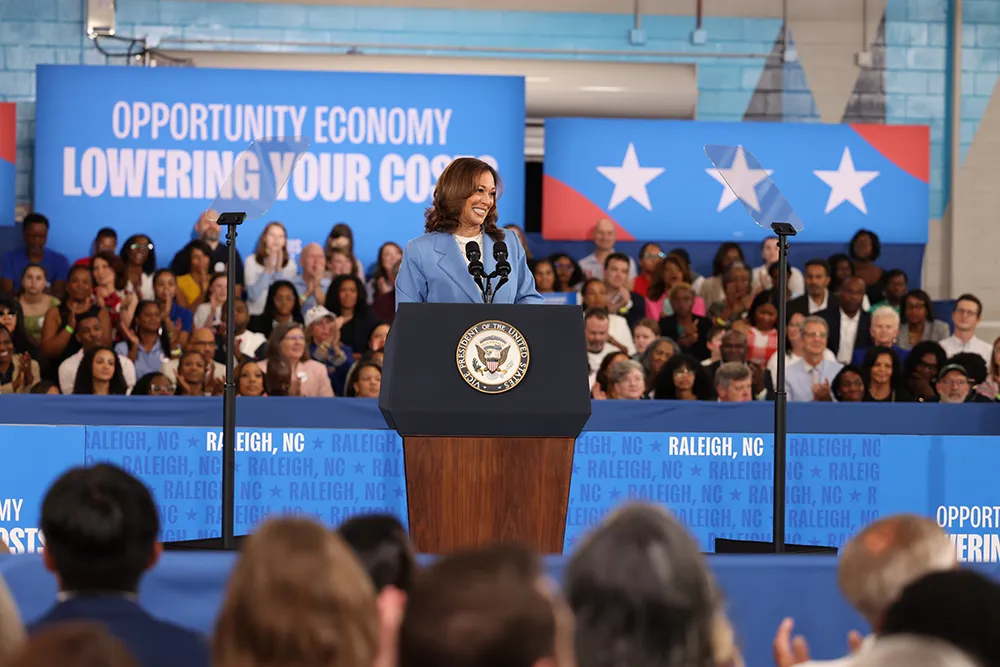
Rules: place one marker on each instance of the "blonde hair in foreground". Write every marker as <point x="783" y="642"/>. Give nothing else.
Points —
<point x="297" y="596"/>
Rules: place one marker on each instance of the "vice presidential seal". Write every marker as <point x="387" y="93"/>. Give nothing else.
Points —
<point x="492" y="357"/>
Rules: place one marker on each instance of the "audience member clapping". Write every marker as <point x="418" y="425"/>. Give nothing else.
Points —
<point x="202" y="342"/>
<point x="19" y="373"/>
<point x="874" y="568"/>
<point x="59" y="339"/>
<point x="313" y="283"/>
<point x="323" y="337"/>
<point x="268" y="263"/>
<point x="308" y="377"/>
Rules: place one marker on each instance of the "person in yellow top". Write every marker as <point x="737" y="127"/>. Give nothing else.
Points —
<point x="192" y="287"/>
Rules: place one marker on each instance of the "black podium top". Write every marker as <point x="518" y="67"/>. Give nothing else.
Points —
<point x="454" y="369"/>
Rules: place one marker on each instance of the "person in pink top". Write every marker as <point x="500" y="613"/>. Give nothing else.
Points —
<point x="673" y="270"/>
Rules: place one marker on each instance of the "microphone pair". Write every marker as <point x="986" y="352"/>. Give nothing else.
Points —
<point x="475" y="256"/>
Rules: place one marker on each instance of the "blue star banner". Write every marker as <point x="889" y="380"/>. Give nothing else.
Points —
<point x="718" y="484"/>
<point x="653" y="179"/>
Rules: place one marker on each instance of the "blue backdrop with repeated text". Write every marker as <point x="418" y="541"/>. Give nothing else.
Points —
<point x="719" y="484"/>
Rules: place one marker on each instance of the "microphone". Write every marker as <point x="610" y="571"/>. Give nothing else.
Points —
<point x="503" y="266"/>
<point x="476" y="269"/>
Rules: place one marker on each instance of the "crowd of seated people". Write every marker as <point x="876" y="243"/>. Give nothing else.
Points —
<point x="855" y="332"/>
<point x="635" y="591"/>
<point x="117" y="322"/>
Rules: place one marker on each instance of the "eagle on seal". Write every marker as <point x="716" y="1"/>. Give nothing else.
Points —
<point x="492" y="358"/>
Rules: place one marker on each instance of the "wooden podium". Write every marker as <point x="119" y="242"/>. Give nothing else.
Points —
<point x="486" y="466"/>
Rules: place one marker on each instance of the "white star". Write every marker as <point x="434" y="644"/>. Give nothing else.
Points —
<point x="630" y="180"/>
<point x="739" y="181"/>
<point x="846" y="183"/>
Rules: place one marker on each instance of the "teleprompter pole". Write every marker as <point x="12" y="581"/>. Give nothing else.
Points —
<point x="783" y="230"/>
<point x="231" y="221"/>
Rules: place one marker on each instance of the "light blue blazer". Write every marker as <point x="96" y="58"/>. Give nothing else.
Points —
<point x="434" y="270"/>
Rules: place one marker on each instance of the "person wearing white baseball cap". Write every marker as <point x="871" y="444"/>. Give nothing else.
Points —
<point x="323" y="336"/>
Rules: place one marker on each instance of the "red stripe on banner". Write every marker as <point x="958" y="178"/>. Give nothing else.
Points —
<point x="569" y="216"/>
<point x="8" y="132"/>
<point x="906" y="146"/>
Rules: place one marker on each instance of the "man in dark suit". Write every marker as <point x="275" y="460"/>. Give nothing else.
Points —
<point x="850" y="326"/>
<point x="101" y="526"/>
<point x="622" y="301"/>
<point x="817" y="297"/>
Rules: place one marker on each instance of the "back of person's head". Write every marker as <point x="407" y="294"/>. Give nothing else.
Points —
<point x="297" y="596"/>
<point x="73" y="644"/>
<point x="910" y="651"/>
<point x="101" y="526"/>
<point x="886" y="556"/>
<point x="961" y="607"/>
<point x="643" y="596"/>
<point x="12" y="633"/>
<point x="485" y="608"/>
<point x="385" y="551"/>
<point x="974" y="365"/>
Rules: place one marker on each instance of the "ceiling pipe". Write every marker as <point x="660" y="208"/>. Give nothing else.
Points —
<point x="427" y="49"/>
<point x="948" y="222"/>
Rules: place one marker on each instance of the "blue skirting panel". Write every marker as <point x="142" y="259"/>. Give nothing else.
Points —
<point x="709" y="463"/>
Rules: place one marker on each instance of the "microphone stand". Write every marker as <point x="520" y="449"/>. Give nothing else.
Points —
<point x="783" y="230"/>
<point x="231" y="221"/>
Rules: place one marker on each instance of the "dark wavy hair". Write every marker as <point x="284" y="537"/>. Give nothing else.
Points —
<point x="19" y="336"/>
<point x="453" y="189"/>
<point x="84" y="383"/>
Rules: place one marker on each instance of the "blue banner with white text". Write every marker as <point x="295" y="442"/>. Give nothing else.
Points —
<point x="146" y="150"/>
<point x="718" y="484"/>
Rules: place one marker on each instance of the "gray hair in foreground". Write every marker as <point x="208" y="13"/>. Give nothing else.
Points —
<point x="619" y="371"/>
<point x="888" y="555"/>
<point x="912" y="651"/>
<point x="730" y="372"/>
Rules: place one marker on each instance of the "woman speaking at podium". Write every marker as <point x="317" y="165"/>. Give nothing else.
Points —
<point x="462" y="220"/>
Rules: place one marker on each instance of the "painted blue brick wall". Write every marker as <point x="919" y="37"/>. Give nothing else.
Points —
<point x="980" y="63"/>
<point x="34" y="33"/>
<point x="917" y="36"/>
<point x="917" y="39"/>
